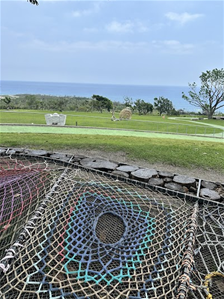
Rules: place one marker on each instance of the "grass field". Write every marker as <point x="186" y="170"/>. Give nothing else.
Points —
<point x="103" y="120"/>
<point x="207" y="155"/>
<point x="216" y="122"/>
<point x="41" y="129"/>
<point x="186" y="152"/>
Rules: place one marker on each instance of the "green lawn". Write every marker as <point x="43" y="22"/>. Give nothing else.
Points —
<point x="185" y="153"/>
<point x="103" y="120"/>
<point x="216" y="122"/>
<point x="178" y="152"/>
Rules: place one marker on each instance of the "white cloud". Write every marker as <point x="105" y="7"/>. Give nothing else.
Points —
<point x="141" y="27"/>
<point x="105" y="45"/>
<point x="173" y="47"/>
<point x="126" y="27"/>
<point x="120" y="27"/>
<point x="182" y="18"/>
<point x="86" y="12"/>
<point x="160" y="46"/>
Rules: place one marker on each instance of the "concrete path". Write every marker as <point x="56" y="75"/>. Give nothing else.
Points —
<point x="221" y="135"/>
<point x="98" y="131"/>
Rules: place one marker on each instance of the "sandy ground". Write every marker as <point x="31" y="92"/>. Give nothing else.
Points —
<point x="209" y="175"/>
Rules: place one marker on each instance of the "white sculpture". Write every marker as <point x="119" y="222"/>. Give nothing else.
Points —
<point x="55" y="119"/>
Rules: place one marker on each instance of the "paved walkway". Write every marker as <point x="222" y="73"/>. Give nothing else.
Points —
<point x="221" y="135"/>
<point x="98" y="131"/>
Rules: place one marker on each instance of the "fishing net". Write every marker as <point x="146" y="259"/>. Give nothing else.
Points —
<point x="71" y="232"/>
<point x="23" y="184"/>
<point x="208" y="266"/>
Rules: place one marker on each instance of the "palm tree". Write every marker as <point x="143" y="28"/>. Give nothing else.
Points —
<point x="33" y="2"/>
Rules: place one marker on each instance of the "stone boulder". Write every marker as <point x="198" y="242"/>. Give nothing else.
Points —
<point x="166" y="174"/>
<point x="184" y="180"/>
<point x="120" y="173"/>
<point x="175" y="187"/>
<point x="208" y="185"/>
<point x="209" y="194"/>
<point x="144" y="174"/>
<point x="98" y="164"/>
<point x="127" y="168"/>
<point x="156" y="182"/>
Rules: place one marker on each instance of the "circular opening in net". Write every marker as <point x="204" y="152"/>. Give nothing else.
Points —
<point x="110" y="228"/>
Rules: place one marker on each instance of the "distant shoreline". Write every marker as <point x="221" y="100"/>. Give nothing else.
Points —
<point x="90" y="83"/>
<point x="114" y="92"/>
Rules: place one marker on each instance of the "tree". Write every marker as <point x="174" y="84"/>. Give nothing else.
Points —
<point x="33" y="2"/>
<point x="163" y="105"/>
<point x="128" y="102"/>
<point x="210" y="96"/>
<point x="102" y="103"/>
<point x="32" y="101"/>
<point x="60" y="104"/>
<point x="138" y="106"/>
<point x="7" y="100"/>
<point x="174" y="112"/>
<point x="142" y="107"/>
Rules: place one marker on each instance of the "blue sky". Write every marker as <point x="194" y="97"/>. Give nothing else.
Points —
<point x="117" y="42"/>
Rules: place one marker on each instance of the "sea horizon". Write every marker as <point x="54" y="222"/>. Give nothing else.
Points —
<point x="92" y="83"/>
<point x="114" y="92"/>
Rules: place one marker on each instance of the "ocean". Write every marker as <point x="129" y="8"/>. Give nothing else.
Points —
<point x="114" y="92"/>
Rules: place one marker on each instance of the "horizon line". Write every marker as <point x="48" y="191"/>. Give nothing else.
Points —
<point x="70" y="82"/>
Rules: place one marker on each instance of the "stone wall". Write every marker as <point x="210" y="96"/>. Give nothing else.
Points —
<point x="163" y="179"/>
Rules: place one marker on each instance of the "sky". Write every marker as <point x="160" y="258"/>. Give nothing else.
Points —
<point x="111" y="42"/>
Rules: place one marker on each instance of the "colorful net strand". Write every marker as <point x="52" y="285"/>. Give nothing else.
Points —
<point x="90" y="236"/>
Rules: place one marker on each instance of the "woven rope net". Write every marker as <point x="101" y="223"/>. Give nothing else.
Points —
<point x="68" y="232"/>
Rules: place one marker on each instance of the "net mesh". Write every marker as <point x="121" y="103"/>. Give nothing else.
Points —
<point x="76" y="233"/>
<point x="23" y="185"/>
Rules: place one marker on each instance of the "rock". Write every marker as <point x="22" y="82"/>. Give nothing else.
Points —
<point x="193" y="189"/>
<point x="36" y="152"/>
<point x="186" y="190"/>
<point x="219" y="184"/>
<point x="15" y="151"/>
<point x="87" y="160"/>
<point x="144" y="174"/>
<point x="61" y="157"/>
<point x="98" y="164"/>
<point x="78" y="158"/>
<point x="11" y="152"/>
<point x="166" y="174"/>
<point x="127" y="168"/>
<point x="184" y="180"/>
<point x="2" y="151"/>
<point x="174" y="186"/>
<point x="208" y="185"/>
<point x="120" y="173"/>
<point x="210" y="194"/>
<point x="167" y="180"/>
<point x="156" y="182"/>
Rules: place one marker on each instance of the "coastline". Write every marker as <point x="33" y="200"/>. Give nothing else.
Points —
<point x="115" y="92"/>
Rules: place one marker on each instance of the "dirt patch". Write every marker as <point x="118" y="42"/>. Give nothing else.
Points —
<point x="121" y="157"/>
